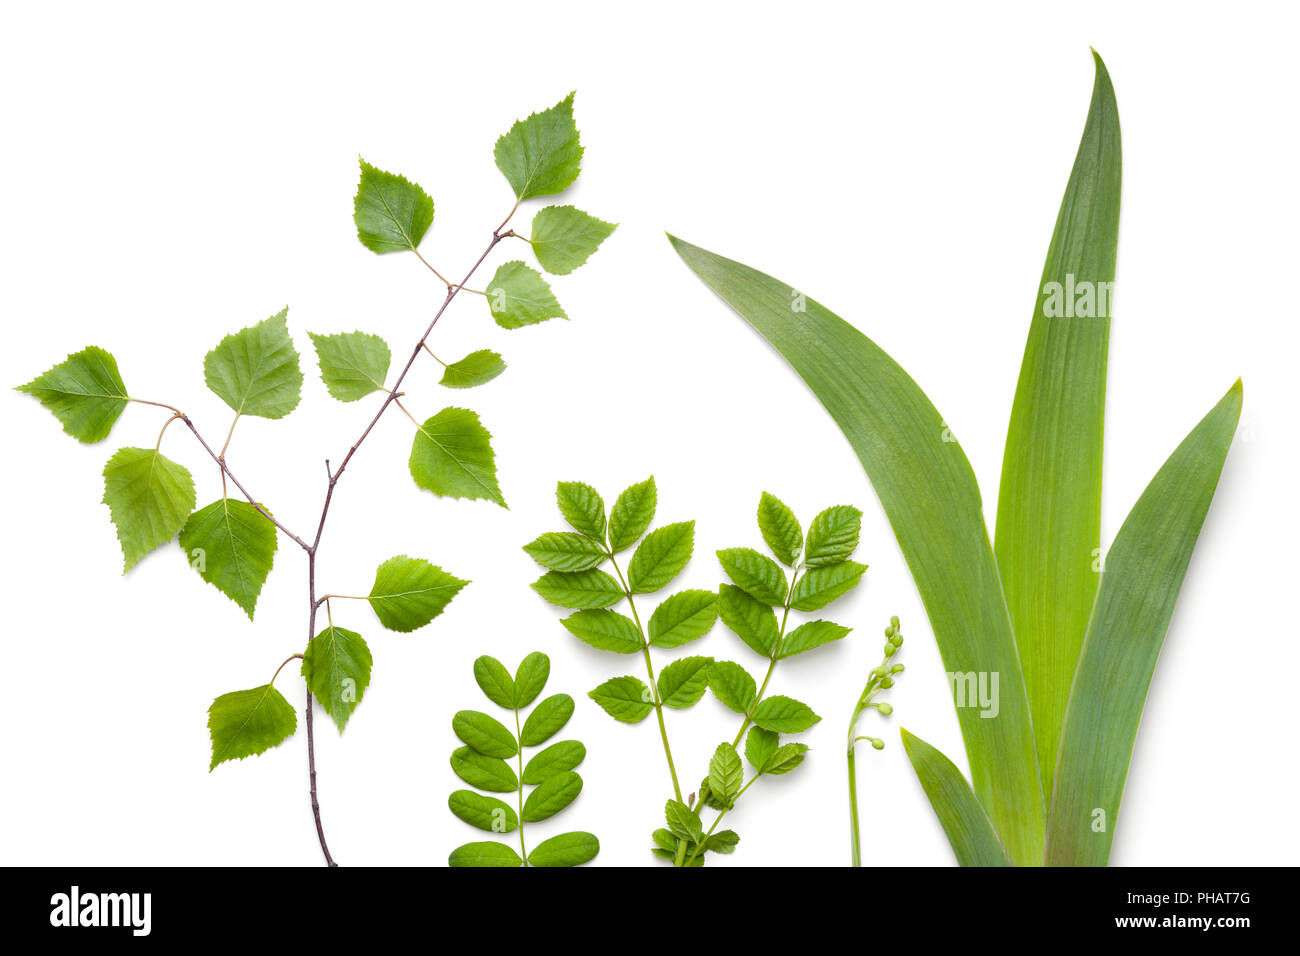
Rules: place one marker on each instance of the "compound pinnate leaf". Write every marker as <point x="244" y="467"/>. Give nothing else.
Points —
<point x="149" y="497"/>
<point x="661" y="557"/>
<point x="683" y="682"/>
<point x="752" y="620"/>
<point x="807" y="636"/>
<point x="820" y="586"/>
<point x="565" y="551"/>
<point x="683" y="821"/>
<point x="336" y="666"/>
<point x="551" y="796"/>
<point x="477" y="368"/>
<point x="248" y="722"/>
<point x="786" y="758"/>
<point x="486" y="813"/>
<point x="784" y="715"/>
<point x="760" y="745"/>
<point x="833" y="536"/>
<point x="410" y="592"/>
<point x="624" y="698"/>
<point x="541" y="155"/>
<point x="530" y="677"/>
<point x="484" y="733"/>
<point x="580" y="590"/>
<point x="519" y="296"/>
<point x="255" y="370"/>
<point x="452" y="456"/>
<point x="85" y="392"/>
<point x="232" y="545"/>
<point x="495" y="681"/>
<point x="556" y="758"/>
<point x="582" y="507"/>
<point x="605" y="631"/>
<point x="726" y="774"/>
<point x="566" y="849"/>
<point x="632" y="514"/>
<point x="756" y="574"/>
<point x="391" y="212"/>
<point x="352" y="364"/>
<point x="682" y="618"/>
<point x="780" y="529"/>
<point x="564" y="237"/>
<point x="546" y="720"/>
<point x="486" y="853"/>
<point x="486" y="773"/>
<point x="732" y="685"/>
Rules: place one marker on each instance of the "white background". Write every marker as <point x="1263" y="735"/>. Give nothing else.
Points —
<point x="173" y="174"/>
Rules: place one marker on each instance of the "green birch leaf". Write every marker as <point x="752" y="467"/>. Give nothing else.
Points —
<point x="391" y="212"/>
<point x="477" y="368"/>
<point x="565" y="551"/>
<point x="452" y="456"/>
<point x="352" y="364"/>
<point x="541" y="155"/>
<point x="605" y="631"/>
<point x="726" y="774"/>
<point x="683" y="617"/>
<point x="495" y="681"/>
<point x="732" y="685"/>
<point x="784" y="715"/>
<point x="624" y="698"/>
<point x="756" y="574"/>
<point x="551" y="796"/>
<point x="566" y="849"/>
<point x="963" y="819"/>
<point x="486" y="813"/>
<point x="582" y="507"/>
<point x="255" y="370"/>
<point x="408" y="593"/>
<point x="760" y="745"/>
<point x="632" y="514"/>
<point x="579" y="589"/>
<point x="660" y="557"/>
<point x="786" y="758"/>
<point x="753" y="621"/>
<point x="486" y="773"/>
<point x="556" y="758"/>
<point x="85" y="393"/>
<point x="534" y="670"/>
<point x="519" y="296"/>
<point x="546" y="720"/>
<point x="833" y="536"/>
<point x="724" y="841"/>
<point x="683" y="682"/>
<point x="484" y="733"/>
<point x="683" y="821"/>
<point x="336" y="666"/>
<point x="807" y="636"/>
<point x="248" y="722"/>
<point x="820" y="586"/>
<point x="564" y="237"/>
<point x="780" y="529"/>
<point x="149" y="497"/>
<point x="232" y="545"/>
<point x="487" y="853"/>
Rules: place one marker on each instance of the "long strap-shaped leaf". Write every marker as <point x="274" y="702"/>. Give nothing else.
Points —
<point x="1049" y="505"/>
<point x="930" y="495"/>
<point x="1135" y="601"/>
<point x="963" y="819"/>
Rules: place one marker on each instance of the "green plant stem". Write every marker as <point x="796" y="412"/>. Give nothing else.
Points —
<point x="856" y="843"/>
<point x="519" y="738"/>
<point x="718" y="819"/>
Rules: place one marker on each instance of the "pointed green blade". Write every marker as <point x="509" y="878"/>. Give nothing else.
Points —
<point x="963" y="819"/>
<point x="1144" y="571"/>
<point x="1049" y="506"/>
<point x="929" y="493"/>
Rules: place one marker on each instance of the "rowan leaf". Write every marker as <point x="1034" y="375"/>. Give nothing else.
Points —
<point x="477" y="368"/>
<point x="408" y="593"/>
<point x="452" y="456"/>
<point x="780" y="529"/>
<point x="85" y="392"/>
<point x="551" y="796"/>
<point x="519" y="296"/>
<point x="624" y="698"/>
<point x="579" y="589"/>
<point x="149" y="497"/>
<point x="546" y="720"/>
<point x="760" y="745"/>
<point x="541" y="155"/>
<point x="582" y="507"/>
<point x="752" y="620"/>
<point x="660" y="557"/>
<point x="683" y="682"/>
<point x="820" y="586"/>
<point x="391" y="212"/>
<point x="248" y="722"/>
<point x="486" y="813"/>
<point x="682" y="617"/>
<point x="833" y="536"/>
<point x="726" y="774"/>
<point x="486" y="773"/>
<point x="486" y="853"/>
<point x="484" y="733"/>
<point x="807" y="636"/>
<point x="756" y="574"/>
<point x="255" y="370"/>
<point x="232" y="546"/>
<point x="632" y="514"/>
<point x="564" y="237"/>
<point x="786" y="758"/>
<point x="605" y="631"/>
<point x="565" y="551"/>
<point x="352" y="364"/>
<point x="784" y="715"/>
<point x="732" y="685"/>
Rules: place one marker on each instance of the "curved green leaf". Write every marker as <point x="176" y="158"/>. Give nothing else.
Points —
<point x="969" y="831"/>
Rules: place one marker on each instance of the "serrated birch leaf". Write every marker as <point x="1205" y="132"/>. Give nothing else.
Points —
<point x="624" y="698"/>
<point x="565" y="551"/>
<point x="486" y="813"/>
<point x="484" y="733"/>
<point x="682" y="617"/>
<point x="519" y="296"/>
<point x="391" y="212"/>
<point x="408" y="593"/>
<point x="1143" y="574"/>
<point x="452" y="456"/>
<point x="485" y="853"/>
<point x="732" y="685"/>
<point x="579" y="590"/>
<point x="556" y="758"/>
<point x="760" y="745"/>
<point x="248" y="722"/>
<point x="530" y="677"/>
<point x="807" y="636"/>
<point x="780" y="529"/>
<point x="632" y="514"/>
<point x="486" y="773"/>
<point x="564" y="237"/>
<point x="566" y="849"/>
<point x="605" y="631"/>
<point x="968" y="828"/>
<point x="477" y="368"/>
<point x="255" y="370"/>
<point x="232" y="546"/>
<point x="551" y="796"/>
<point x="833" y="536"/>
<point x="336" y="666"/>
<point x="756" y="574"/>
<point x="495" y="681"/>
<point x="149" y="497"/>
<point x="582" y="507"/>
<point x="546" y="720"/>
<point x="541" y="155"/>
<point x="752" y="620"/>
<point x="784" y="715"/>
<point x="84" y="392"/>
<point x="660" y="557"/>
<point x="352" y="364"/>
<point x="683" y="682"/>
<point x="726" y="774"/>
<point x="820" y="586"/>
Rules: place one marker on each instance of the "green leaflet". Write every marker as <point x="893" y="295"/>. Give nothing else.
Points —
<point x="1049" y="503"/>
<point x="807" y="636"/>
<point x="452" y="456"/>
<point x="551" y="796"/>
<point x="352" y="364"/>
<point x="683" y="682"/>
<point x="541" y="155"/>
<point x="530" y="677"/>
<point x="149" y="497"/>
<point x="780" y="529"/>
<point x="929" y="493"/>
<point x="784" y="715"/>
<point x="486" y="853"/>
<point x="392" y="213"/>
<point x="582" y="507"/>
<point x="753" y="621"/>
<point x="85" y="392"/>
<point x="756" y="574"/>
<point x="605" y="631"/>
<point x="632" y="514"/>
<point x="567" y="849"/>
<point x="336" y="666"/>
<point x="820" y="586"/>
<point x="484" y="733"/>
<point x="732" y="685"/>
<point x="760" y="746"/>
<point x="519" y="296"/>
<point x="682" y="617"/>
<point x="477" y="368"/>
<point x="547" y="719"/>
<point x="564" y="237"/>
<point x="255" y="370"/>
<point x="726" y="774"/>
<point x="248" y="722"/>
<point x="579" y="589"/>
<point x="495" y="681"/>
<point x="833" y="536"/>
<point x="565" y="551"/>
<point x="486" y="813"/>
<point x="626" y="699"/>
<point x="556" y="758"/>
<point x="479" y="770"/>
<point x="963" y="819"/>
<point x="1143" y="573"/>
<point x="232" y="545"/>
<point x="660" y="557"/>
<point x="683" y="821"/>
<point x="408" y="593"/>
<point x="786" y="759"/>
